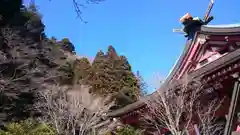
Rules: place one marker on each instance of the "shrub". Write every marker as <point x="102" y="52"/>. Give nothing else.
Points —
<point x="128" y="130"/>
<point x="28" y="127"/>
<point x="32" y="13"/>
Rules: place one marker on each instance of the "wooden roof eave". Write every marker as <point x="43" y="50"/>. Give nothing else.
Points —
<point x="221" y="30"/>
<point x="129" y="107"/>
<point x="217" y="64"/>
<point x="196" y="74"/>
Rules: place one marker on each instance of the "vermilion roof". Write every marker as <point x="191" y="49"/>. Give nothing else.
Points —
<point x="205" y="29"/>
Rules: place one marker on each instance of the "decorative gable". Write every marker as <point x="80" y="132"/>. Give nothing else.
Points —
<point x="215" y="48"/>
<point x="206" y="49"/>
<point x="210" y="53"/>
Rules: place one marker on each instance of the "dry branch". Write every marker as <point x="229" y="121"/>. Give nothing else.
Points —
<point x="174" y="109"/>
<point x="208" y="123"/>
<point x="78" y="6"/>
<point x="73" y="111"/>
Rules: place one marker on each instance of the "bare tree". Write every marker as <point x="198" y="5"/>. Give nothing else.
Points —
<point x="169" y="108"/>
<point x="79" y="5"/>
<point x="73" y="111"/>
<point x="208" y="124"/>
<point x="174" y="109"/>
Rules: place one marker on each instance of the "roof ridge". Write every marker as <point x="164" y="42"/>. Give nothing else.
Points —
<point x="223" y="25"/>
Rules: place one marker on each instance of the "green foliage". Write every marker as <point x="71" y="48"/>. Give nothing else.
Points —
<point x="142" y="84"/>
<point x="67" y="45"/>
<point x="113" y="75"/>
<point x="32" y="13"/>
<point x="32" y="21"/>
<point x="128" y="130"/>
<point x="66" y="41"/>
<point x="16" y="104"/>
<point x="109" y="74"/>
<point x="28" y="127"/>
<point x="78" y="70"/>
<point x="68" y="68"/>
<point x="83" y="71"/>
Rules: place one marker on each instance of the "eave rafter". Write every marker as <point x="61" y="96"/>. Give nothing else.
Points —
<point x="223" y="73"/>
<point x="233" y="37"/>
<point x="189" y="58"/>
<point x="214" y="47"/>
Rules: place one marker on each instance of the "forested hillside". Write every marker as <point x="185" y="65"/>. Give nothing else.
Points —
<point x="29" y="59"/>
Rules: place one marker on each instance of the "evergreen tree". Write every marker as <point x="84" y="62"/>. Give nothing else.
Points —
<point x="83" y="70"/>
<point x="111" y="53"/>
<point x="98" y="60"/>
<point x="113" y="75"/>
<point x="97" y="80"/>
<point x="67" y="45"/>
<point x="142" y="84"/>
<point x="125" y="64"/>
<point x="33" y="19"/>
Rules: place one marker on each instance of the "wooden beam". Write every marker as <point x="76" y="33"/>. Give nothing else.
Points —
<point x="217" y="42"/>
<point x="224" y="37"/>
<point x="232" y="108"/>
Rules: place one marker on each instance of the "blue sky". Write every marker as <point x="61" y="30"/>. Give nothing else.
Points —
<point x="138" y="29"/>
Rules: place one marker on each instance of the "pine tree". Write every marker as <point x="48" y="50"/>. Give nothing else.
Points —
<point x="98" y="60"/>
<point x="111" y="53"/>
<point x="125" y="63"/>
<point x="83" y="70"/>
<point x="67" y="45"/>
<point x="113" y="75"/>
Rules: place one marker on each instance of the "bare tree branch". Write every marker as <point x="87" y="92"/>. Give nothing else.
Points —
<point x="174" y="109"/>
<point x="208" y="123"/>
<point x="79" y="5"/>
<point x="73" y="111"/>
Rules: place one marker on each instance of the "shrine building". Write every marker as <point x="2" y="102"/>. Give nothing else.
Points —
<point x="211" y="55"/>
